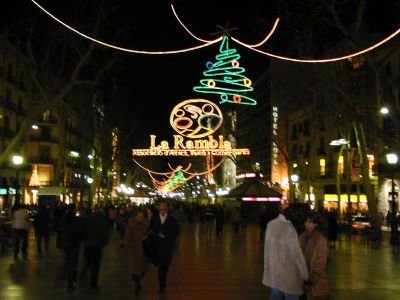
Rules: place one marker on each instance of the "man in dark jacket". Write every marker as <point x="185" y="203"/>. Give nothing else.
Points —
<point x="69" y="237"/>
<point x="95" y="237"/>
<point x="165" y="229"/>
<point x="42" y="229"/>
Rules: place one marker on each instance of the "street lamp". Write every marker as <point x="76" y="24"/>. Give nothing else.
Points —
<point x="17" y="161"/>
<point x="392" y="159"/>
<point x="384" y="110"/>
<point x="346" y="145"/>
<point x="295" y="178"/>
<point x="89" y="180"/>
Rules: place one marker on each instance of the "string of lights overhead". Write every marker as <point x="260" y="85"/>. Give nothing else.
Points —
<point x="129" y="50"/>
<point x="207" y="43"/>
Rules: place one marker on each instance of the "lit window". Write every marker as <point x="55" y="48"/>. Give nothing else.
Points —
<point x="322" y="166"/>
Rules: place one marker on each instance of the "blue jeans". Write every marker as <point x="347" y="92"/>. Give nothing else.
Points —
<point x="277" y="294"/>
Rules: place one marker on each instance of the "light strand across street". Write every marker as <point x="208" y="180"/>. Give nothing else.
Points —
<point x="207" y="43"/>
<point x="324" y="60"/>
<point x="122" y="48"/>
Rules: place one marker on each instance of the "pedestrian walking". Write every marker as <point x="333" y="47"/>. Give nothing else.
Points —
<point x="236" y="218"/>
<point x="20" y="226"/>
<point x="69" y="238"/>
<point x="135" y="232"/>
<point x="285" y="269"/>
<point x="95" y="237"/>
<point x="333" y="229"/>
<point x="41" y="224"/>
<point x="315" y="248"/>
<point x="124" y="218"/>
<point x="180" y="217"/>
<point x="165" y="229"/>
<point x="4" y="236"/>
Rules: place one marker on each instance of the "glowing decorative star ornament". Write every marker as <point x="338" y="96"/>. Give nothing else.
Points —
<point x="225" y="77"/>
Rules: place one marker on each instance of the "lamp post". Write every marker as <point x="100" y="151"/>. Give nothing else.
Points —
<point x="346" y="144"/>
<point x="17" y="161"/>
<point x="392" y="159"/>
<point x="295" y="178"/>
<point x="90" y="181"/>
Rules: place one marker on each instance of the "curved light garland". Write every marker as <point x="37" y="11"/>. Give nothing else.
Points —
<point x="325" y="60"/>
<point x="210" y="42"/>
<point x="183" y="25"/>
<point x="268" y="35"/>
<point x="121" y="48"/>
<point x="333" y="59"/>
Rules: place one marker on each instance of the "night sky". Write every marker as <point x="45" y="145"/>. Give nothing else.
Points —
<point x="161" y="82"/>
<point x="148" y="87"/>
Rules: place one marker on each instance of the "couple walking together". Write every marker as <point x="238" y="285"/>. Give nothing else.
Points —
<point x="163" y="229"/>
<point x="293" y="266"/>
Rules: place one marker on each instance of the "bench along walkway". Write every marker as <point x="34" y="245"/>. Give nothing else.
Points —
<point x="204" y="267"/>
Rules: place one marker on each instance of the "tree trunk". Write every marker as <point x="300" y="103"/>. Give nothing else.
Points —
<point x="338" y="187"/>
<point x="372" y="206"/>
<point x="59" y="166"/>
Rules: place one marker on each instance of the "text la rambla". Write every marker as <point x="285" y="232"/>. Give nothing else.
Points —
<point x="181" y="143"/>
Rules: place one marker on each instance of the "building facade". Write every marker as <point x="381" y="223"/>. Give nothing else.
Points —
<point x="60" y="148"/>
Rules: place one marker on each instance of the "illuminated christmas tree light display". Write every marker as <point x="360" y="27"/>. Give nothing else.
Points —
<point x="174" y="179"/>
<point x="177" y="180"/>
<point x="225" y="77"/>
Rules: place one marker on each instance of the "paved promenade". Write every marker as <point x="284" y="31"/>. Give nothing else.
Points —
<point x="204" y="267"/>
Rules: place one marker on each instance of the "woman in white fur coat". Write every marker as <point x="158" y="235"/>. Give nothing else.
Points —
<point x="285" y="269"/>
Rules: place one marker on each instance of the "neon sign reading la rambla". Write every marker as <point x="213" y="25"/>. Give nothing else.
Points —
<point x="195" y="120"/>
<point x="197" y="147"/>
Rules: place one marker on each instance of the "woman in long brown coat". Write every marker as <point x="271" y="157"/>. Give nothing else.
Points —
<point x="315" y="248"/>
<point x="135" y="232"/>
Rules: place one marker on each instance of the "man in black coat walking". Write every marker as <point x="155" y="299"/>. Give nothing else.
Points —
<point x="165" y="228"/>
<point x="69" y="238"/>
<point x="42" y="229"/>
<point x="95" y="236"/>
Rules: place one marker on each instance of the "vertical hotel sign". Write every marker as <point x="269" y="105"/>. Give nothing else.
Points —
<point x="275" y="176"/>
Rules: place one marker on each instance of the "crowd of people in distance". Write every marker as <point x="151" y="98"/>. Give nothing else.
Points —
<point x="296" y="240"/>
<point x="89" y="229"/>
